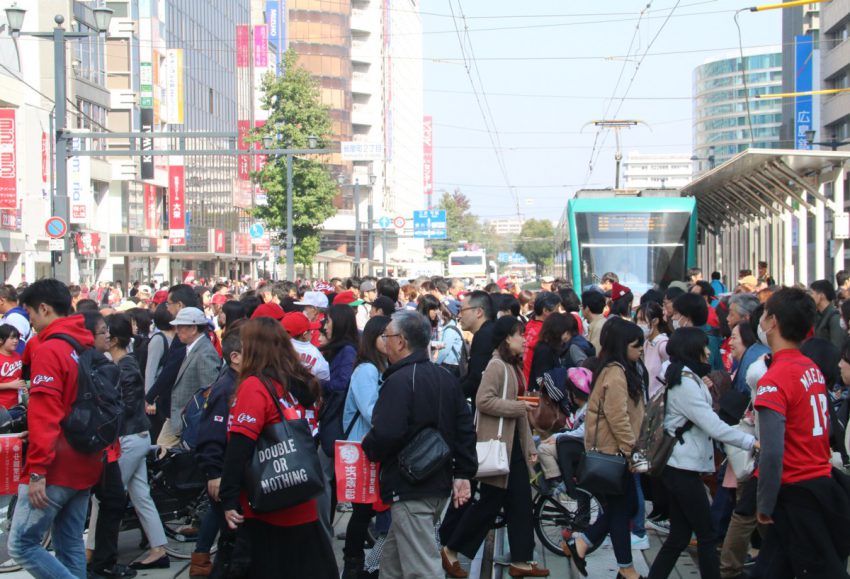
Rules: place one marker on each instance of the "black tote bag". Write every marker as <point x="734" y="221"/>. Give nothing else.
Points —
<point x="285" y="469"/>
<point x="600" y="473"/>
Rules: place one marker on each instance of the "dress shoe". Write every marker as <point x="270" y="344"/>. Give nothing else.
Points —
<point x="162" y="563"/>
<point x="535" y="571"/>
<point x="114" y="571"/>
<point x="452" y="569"/>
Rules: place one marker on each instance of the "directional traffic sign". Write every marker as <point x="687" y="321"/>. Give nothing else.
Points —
<point x="398" y="222"/>
<point x="55" y="227"/>
<point x="257" y="231"/>
<point x="429" y="224"/>
<point x="384" y="222"/>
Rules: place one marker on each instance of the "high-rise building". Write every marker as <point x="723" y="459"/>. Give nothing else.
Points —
<point x="724" y="118"/>
<point x="835" y="71"/>
<point x="657" y="170"/>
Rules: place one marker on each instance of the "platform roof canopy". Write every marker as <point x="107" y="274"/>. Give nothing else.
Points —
<point x="758" y="184"/>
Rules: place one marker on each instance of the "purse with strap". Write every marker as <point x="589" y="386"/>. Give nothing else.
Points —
<point x="427" y="451"/>
<point x="601" y="473"/>
<point x="492" y="454"/>
<point x="285" y="469"/>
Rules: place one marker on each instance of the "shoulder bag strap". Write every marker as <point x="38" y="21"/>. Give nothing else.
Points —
<point x="273" y="394"/>
<point x="504" y="396"/>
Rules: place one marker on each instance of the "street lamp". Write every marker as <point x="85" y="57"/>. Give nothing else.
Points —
<point x="833" y="143"/>
<point x="15" y="19"/>
<point x="371" y="224"/>
<point x="710" y="158"/>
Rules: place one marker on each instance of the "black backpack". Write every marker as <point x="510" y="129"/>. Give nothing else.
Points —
<point x="95" y="418"/>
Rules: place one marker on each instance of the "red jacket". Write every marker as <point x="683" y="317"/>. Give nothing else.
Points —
<point x="53" y="389"/>
<point x="532" y="335"/>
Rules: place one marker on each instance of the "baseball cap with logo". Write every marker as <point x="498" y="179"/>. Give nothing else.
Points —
<point x="219" y="299"/>
<point x="160" y="297"/>
<point x="295" y="323"/>
<point x="618" y="291"/>
<point x="347" y="298"/>
<point x="189" y="317"/>
<point x="316" y="299"/>
<point x="146" y="290"/>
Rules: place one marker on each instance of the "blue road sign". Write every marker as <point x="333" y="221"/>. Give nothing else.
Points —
<point x="384" y="222"/>
<point x="257" y="231"/>
<point x="429" y="224"/>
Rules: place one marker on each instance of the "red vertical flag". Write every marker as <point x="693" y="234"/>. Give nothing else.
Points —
<point x="176" y="205"/>
<point x="8" y="160"/>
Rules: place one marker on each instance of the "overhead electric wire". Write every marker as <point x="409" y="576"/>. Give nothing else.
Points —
<point x="744" y="73"/>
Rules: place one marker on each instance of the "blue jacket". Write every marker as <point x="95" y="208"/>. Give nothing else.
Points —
<point x="719" y="287"/>
<point x="362" y="395"/>
<point x="714" y="342"/>
<point x="452" y="344"/>
<point x="212" y="430"/>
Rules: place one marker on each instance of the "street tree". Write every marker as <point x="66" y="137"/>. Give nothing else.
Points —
<point x="461" y="224"/>
<point x="295" y="114"/>
<point x="537" y="243"/>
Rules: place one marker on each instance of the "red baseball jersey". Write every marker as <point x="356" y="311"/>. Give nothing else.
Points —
<point x="794" y="387"/>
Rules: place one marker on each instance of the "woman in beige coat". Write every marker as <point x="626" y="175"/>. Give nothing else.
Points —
<point x="497" y="404"/>
<point x="614" y="414"/>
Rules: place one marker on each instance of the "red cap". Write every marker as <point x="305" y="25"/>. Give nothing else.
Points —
<point x="618" y="291"/>
<point x="219" y="299"/>
<point x="269" y="310"/>
<point x="346" y="298"/>
<point x="295" y="323"/>
<point x="160" y="297"/>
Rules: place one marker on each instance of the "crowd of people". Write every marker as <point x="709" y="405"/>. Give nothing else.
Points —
<point x="747" y="387"/>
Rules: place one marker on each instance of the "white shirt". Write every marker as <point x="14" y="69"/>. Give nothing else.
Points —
<point x="312" y="359"/>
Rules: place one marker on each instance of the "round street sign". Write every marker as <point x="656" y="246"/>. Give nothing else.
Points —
<point x="399" y="222"/>
<point x="55" y="227"/>
<point x="257" y="231"/>
<point x="384" y="222"/>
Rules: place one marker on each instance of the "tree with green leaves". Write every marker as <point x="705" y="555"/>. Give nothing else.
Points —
<point x="537" y="243"/>
<point x="296" y="113"/>
<point x="461" y="224"/>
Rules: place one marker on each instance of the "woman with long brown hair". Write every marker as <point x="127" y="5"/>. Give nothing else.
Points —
<point x="288" y="542"/>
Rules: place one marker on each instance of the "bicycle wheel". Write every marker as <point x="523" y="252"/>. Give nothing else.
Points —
<point x="552" y="515"/>
<point x="181" y="532"/>
<point x="7" y="511"/>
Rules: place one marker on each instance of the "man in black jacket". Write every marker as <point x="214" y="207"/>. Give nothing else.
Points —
<point x="212" y="443"/>
<point x="476" y="316"/>
<point x="417" y="394"/>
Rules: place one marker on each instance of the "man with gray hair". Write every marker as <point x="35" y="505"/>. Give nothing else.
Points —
<point x="417" y="394"/>
<point x="741" y="307"/>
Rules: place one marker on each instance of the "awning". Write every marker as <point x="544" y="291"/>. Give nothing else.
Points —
<point x="757" y="184"/>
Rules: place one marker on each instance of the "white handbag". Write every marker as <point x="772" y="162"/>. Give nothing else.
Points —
<point x="742" y="462"/>
<point x="493" y="457"/>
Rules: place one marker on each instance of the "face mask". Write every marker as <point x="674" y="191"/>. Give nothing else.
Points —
<point x="843" y="325"/>
<point x="646" y="330"/>
<point x="762" y="335"/>
<point x="676" y="325"/>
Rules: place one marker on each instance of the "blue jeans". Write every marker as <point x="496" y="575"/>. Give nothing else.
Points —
<point x="66" y="514"/>
<point x="639" y="520"/>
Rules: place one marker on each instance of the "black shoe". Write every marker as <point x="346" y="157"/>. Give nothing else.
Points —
<point x="353" y="566"/>
<point x="570" y="551"/>
<point x="114" y="571"/>
<point x="162" y="563"/>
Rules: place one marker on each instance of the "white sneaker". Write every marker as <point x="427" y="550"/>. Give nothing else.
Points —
<point x="662" y="526"/>
<point x="640" y="543"/>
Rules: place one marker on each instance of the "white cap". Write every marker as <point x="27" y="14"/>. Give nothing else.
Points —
<point x="189" y="317"/>
<point x="145" y="289"/>
<point x="315" y="299"/>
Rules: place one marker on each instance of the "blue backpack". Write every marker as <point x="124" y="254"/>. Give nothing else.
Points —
<point x="192" y="413"/>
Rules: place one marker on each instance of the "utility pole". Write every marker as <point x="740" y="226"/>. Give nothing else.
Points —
<point x="616" y="126"/>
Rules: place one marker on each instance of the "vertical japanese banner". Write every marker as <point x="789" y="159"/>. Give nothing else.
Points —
<point x="244" y="163"/>
<point x="428" y="157"/>
<point x="146" y="126"/>
<point x="388" y="83"/>
<point x="243" y="46"/>
<point x="261" y="197"/>
<point x="803" y="82"/>
<point x="8" y="160"/>
<point x="273" y="20"/>
<point x="44" y="158"/>
<point x="151" y="224"/>
<point x="261" y="46"/>
<point x="176" y="203"/>
<point x="79" y="186"/>
<point x="174" y="85"/>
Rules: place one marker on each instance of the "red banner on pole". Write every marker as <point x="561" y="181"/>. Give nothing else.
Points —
<point x="176" y="205"/>
<point x="244" y="163"/>
<point x="356" y="475"/>
<point x="11" y="463"/>
<point x="150" y="208"/>
<point x="243" y="46"/>
<point x="8" y="160"/>
<point x="261" y="46"/>
<point x="428" y="151"/>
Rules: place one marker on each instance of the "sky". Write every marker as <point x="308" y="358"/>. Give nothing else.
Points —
<point x="543" y="69"/>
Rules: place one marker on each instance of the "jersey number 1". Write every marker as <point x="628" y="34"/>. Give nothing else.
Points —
<point x="819" y="413"/>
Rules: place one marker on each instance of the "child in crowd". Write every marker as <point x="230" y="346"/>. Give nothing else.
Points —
<point x="11" y="368"/>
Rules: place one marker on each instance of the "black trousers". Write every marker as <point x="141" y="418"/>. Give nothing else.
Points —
<point x="570" y="451"/>
<point x="690" y="512"/>
<point x="112" y="499"/>
<point x="477" y="519"/>
<point x="358" y="525"/>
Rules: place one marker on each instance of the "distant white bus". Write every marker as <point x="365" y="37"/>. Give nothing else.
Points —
<point x="468" y="265"/>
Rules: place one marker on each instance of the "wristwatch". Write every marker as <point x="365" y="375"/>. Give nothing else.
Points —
<point x="36" y="477"/>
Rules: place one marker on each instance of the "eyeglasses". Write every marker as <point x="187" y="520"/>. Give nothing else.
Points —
<point x="387" y="336"/>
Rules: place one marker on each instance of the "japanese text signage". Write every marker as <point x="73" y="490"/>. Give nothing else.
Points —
<point x="176" y="205"/>
<point x="428" y="152"/>
<point x="362" y="151"/>
<point x="804" y="111"/>
<point x="429" y="224"/>
<point x="8" y="160"/>
<point x="79" y="186"/>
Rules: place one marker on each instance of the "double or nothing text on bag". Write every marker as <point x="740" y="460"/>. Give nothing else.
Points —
<point x="283" y="478"/>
